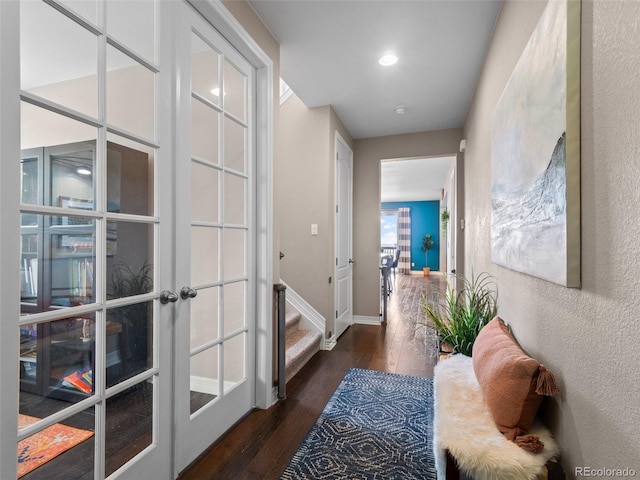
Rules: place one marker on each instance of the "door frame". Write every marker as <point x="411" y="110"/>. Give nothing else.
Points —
<point x="341" y="143"/>
<point x="9" y="239"/>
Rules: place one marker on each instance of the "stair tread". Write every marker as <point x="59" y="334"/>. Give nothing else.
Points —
<point x="301" y="345"/>
<point x="299" y="338"/>
<point x="292" y="320"/>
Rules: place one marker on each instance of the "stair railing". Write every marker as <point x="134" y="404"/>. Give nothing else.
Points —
<point x="281" y="314"/>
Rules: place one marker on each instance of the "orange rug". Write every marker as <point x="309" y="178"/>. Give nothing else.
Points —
<point x="45" y="445"/>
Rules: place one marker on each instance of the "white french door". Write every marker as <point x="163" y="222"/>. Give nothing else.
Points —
<point x="215" y="329"/>
<point x="129" y="200"/>
<point x="93" y="154"/>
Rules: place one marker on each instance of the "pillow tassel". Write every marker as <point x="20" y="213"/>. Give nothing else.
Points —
<point x="546" y="383"/>
<point x="530" y="443"/>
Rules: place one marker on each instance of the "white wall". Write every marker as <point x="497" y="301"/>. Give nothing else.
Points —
<point x="588" y="337"/>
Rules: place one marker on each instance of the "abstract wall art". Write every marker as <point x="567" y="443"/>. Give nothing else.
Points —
<point x="535" y="154"/>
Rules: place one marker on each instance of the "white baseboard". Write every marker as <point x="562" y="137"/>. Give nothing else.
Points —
<point x="310" y="316"/>
<point x="366" y="320"/>
<point x="329" y="343"/>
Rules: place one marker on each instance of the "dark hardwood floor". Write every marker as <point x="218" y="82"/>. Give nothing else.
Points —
<point x="261" y="445"/>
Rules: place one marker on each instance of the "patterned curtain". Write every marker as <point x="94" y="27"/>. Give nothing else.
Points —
<point x="404" y="240"/>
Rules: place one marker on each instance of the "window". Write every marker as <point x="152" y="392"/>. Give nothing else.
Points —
<point x="389" y="228"/>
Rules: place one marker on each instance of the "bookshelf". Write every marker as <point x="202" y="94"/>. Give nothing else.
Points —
<point x="57" y="270"/>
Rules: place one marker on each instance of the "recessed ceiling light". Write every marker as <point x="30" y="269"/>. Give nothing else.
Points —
<point x="387" y="60"/>
<point x="401" y="109"/>
<point x="83" y="171"/>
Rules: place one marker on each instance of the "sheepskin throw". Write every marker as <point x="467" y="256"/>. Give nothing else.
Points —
<point x="464" y="426"/>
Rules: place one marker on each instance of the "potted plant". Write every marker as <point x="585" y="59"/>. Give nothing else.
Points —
<point x="444" y="219"/>
<point x="459" y="315"/>
<point x="134" y="318"/>
<point x="427" y="243"/>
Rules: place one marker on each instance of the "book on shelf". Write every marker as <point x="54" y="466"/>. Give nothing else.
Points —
<point x="29" y="277"/>
<point x="80" y="379"/>
<point x="81" y="277"/>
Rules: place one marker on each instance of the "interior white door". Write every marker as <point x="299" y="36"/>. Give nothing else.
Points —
<point x="215" y="247"/>
<point x="451" y="228"/>
<point x="344" y="232"/>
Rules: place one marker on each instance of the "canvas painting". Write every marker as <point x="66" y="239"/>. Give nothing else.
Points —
<point x="535" y="174"/>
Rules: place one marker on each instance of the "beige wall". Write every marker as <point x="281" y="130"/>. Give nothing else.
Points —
<point x="305" y="196"/>
<point x="366" y="203"/>
<point x="588" y="337"/>
<point x="247" y="17"/>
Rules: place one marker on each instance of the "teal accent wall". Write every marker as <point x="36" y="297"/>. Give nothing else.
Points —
<point x="425" y="218"/>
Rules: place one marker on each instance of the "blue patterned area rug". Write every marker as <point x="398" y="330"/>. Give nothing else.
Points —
<point x="375" y="426"/>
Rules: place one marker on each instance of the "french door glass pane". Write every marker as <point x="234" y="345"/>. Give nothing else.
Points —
<point x="235" y="194"/>
<point x="204" y="317"/>
<point x="72" y="169"/>
<point x="234" y="298"/>
<point x="204" y="193"/>
<point x="68" y="368"/>
<point x="72" y="262"/>
<point x="57" y="266"/>
<point x="78" y="462"/>
<point x="234" y="259"/>
<point x="204" y="383"/>
<point x="234" y="361"/>
<point x="28" y="352"/>
<point x="130" y="93"/>
<point x="133" y="344"/>
<point x="132" y="23"/>
<point x="84" y="8"/>
<point x="60" y="68"/>
<point x="204" y="258"/>
<point x="204" y="131"/>
<point x="42" y="128"/>
<point x="30" y="181"/>
<point x="205" y="79"/>
<point x="130" y="176"/>
<point x="235" y="91"/>
<point x="29" y="285"/>
<point x="128" y="416"/>
<point x="235" y="145"/>
<point x="129" y="259"/>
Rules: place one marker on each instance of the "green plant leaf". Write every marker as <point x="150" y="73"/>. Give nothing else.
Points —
<point x="458" y="316"/>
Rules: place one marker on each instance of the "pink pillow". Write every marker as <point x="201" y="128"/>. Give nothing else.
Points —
<point x="512" y="383"/>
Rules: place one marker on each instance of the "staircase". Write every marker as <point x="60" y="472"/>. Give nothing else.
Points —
<point x="300" y="344"/>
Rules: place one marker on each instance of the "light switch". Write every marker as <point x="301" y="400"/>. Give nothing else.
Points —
<point x="314" y="229"/>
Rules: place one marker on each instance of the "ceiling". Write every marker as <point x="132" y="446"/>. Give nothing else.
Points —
<point x="329" y="51"/>
<point x="414" y="179"/>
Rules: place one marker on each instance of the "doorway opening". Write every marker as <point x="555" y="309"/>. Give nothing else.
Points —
<point x="413" y="194"/>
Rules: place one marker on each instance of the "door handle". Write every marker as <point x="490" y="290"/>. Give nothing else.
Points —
<point x="168" y="296"/>
<point x="351" y="260"/>
<point x="188" y="292"/>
